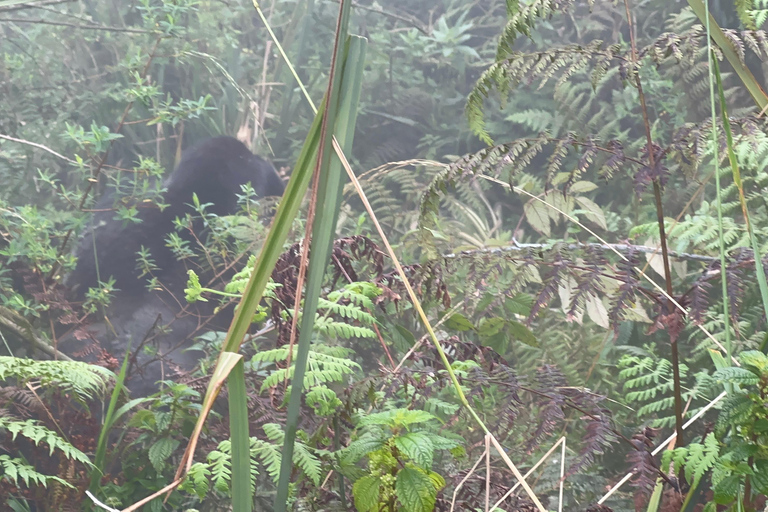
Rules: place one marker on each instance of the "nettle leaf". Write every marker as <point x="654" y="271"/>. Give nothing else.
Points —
<point x="760" y="477"/>
<point x="755" y="359"/>
<point x="366" y="492"/>
<point x="491" y="327"/>
<point x="397" y="418"/>
<point x="417" y="446"/>
<point x="520" y="304"/>
<point x="736" y="375"/>
<point x="415" y="490"/>
<point x="361" y="447"/>
<point x="727" y="489"/>
<point x="160" y="451"/>
<point x="537" y="215"/>
<point x="444" y="443"/>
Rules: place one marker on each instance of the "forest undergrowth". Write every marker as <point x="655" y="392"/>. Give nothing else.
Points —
<point x="544" y="289"/>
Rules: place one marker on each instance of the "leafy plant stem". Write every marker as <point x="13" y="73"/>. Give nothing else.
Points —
<point x="662" y="234"/>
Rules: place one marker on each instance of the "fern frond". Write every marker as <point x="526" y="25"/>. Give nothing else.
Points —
<point x="37" y="433"/>
<point x="85" y="380"/>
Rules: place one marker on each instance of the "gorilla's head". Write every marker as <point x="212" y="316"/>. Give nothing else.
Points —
<point x="216" y="169"/>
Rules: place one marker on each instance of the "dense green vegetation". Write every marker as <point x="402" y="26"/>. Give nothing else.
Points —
<point x="576" y="200"/>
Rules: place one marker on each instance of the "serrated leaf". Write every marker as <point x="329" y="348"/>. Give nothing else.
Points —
<point x="520" y="304"/>
<point x="443" y="443"/>
<point x="522" y="334"/>
<point x="415" y="490"/>
<point x="637" y="313"/>
<point x="437" y="480"/>
<point x="597" y="312"/>
<point x="754" y="359"/>
<point x="594" y="212"/>
<point x="366" y="492"/>
<point x="160" y="451"/>
<point x="760" y="477"/>
<point x="537" y="215"/>
<point x="417" y="446"/>
<point x="359" y="448"/>
<point x="397" y="418"/>
<point x="459" y="322"/>
<point x="727" y="489"/>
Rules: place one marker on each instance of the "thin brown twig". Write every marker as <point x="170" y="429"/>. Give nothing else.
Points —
<point x="662" y="233"/>
<point x="31" y="5"/>
<point x="37" y="21"/>
<point x="36" y="145"/>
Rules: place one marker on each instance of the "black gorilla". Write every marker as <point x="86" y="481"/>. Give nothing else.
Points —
<point x="214" y="169"/>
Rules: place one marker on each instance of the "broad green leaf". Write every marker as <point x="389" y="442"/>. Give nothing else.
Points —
<point x="437" y="480"/>
<point x="760" y="477"/>
<point x="491" y="326"/>
<point x="736" y="409"/>
<point x="160" y="451"/>
<point x="415" y="490"/>
<point x="754" y="359"/>
<point x="595" y="213"/>
<point x="396" y="418"/>
<point x="537" y="215"/>
<point x="727" y="489"/>
<point x="597" y="312"/>
<point x="522" y="334"/>
<point x="366" y="492"/>
<point x="520" y="304"/>
<point x="417" y="446"/>
<point x="581" y="187"/>
<point x="361" y="447"/>
<point x="459" y="322"/>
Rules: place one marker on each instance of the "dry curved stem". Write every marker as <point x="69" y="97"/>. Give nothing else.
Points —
<point x="23" y="329"/>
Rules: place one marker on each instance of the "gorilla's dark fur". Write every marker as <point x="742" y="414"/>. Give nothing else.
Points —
<point x="214" y="169"/>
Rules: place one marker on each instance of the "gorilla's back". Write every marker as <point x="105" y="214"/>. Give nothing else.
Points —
<point x="215" y="170"/>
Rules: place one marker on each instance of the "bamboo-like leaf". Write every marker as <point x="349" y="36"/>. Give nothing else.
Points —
<point x="344" y="94"/>
<point x="759" y="271"/>
<point x="109" y="419"/>
<point x="242" y="500"/>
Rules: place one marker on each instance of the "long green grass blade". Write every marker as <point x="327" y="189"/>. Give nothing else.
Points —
<point x="345" y="92"/>
<point x="270" y="252"/>
<point x="101" y="446"/>
<point x="761" y="283"/>
<point x="718" y="192"/>
<point x="242" y="497"/>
